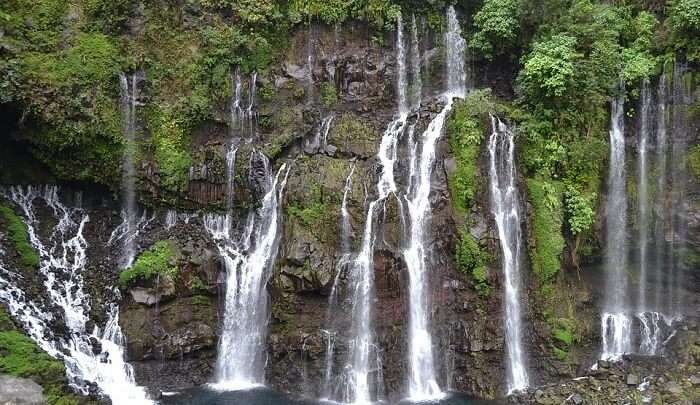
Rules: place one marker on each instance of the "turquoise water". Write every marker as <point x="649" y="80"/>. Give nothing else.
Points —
<point x="264" y="396"/>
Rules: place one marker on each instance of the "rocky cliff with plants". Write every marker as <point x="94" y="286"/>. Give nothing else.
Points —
<point x="313" y="84"/>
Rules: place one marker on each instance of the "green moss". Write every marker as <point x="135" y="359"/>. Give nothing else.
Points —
<point x="170" y="142"/>
<point x="317" y="212"/>
<point x="18" y="233"/>
<point x="694" y="161"/>
<point x="329" y="95"/>
<point x="159" y="259"/>
<point x="548" y="244"/>
<point x="471" y="259"/>
<point x="465" y="130"/>
<point x="21" y="357"/>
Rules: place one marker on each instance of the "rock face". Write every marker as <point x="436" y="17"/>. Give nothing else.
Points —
<point x="20" y="391"/>
<point x="172" y="324"/>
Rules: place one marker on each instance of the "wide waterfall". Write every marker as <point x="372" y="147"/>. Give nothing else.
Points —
<point x="91" y="356"/>
<point x="641" y="327"/>
<point x="248" y="261"/>
<point x="506" y="211"/>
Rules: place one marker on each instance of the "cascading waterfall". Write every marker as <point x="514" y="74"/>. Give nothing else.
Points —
<point x="506" y="211"/>
<point x="248" y="262"/>
<point x="364" y="359"/>
<point x="651" y="322"/>
<point x="422" y="383"/>
<point x="660" y="209"/>
<point x="643" y="193"/>
<point x="679" y="182"/>
<point x="660" y="263"/>
<point x="63" y="261"/>
<point x="129" y="101"/>
<point x="615" y="323"/>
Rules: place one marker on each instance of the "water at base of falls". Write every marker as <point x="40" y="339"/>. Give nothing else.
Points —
<point x="63" y="260"/>
<point x="264" y="396"/>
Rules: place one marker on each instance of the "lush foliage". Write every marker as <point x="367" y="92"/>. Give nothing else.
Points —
<point x="159" y="260"/>
<point x="497" y="25"/>
<point x="18" y="233"/>
<point x="684" y="25"/>
<point x="466" y="133"/>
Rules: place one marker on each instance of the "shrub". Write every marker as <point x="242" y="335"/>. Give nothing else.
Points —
<point x="159" y="259"/>
<point x="471" y="259"/>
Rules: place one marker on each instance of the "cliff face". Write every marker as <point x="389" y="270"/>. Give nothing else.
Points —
<point x="341" y="80"/>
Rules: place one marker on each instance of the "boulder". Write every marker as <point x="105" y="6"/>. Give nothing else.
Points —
<point x="20" y="391"/>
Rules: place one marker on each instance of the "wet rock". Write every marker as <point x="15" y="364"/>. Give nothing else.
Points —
<point x="577" y="399"/>
<point x="20" y="391"/>
<point x="152" y="296"/>
<point x="673" y="388"/>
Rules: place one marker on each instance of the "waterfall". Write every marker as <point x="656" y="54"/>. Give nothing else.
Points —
<point x="679" y="182"/>
<point x="90" y="356"/>
<point x="456" y="50"/>
<point x="660" y="208"/>
<point x="422" y="383"/>
<point x="615" y="323"/>
<point x="651" y="321"/>
<point x="248" y="262"/>
<point x="643" y="193"/>
<point x="506" y="211"/>
<point x="128" y="103"/>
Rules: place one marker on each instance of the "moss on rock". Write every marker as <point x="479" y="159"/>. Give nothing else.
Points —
<point x="18" y="233"/>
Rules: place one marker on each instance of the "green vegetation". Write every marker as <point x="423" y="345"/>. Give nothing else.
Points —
<point x="497" y="24"/>
<point x="694" y="161"/>
<point x="318" y="213"/>
<point x="170" y="142"/>
<point x="548" y="244"/>
<point x="18" y="233"/>
<point x="472" y="259"/>
<point x="465" y="130"/>
<point x="329" y="95"/>
<point x="21" y="357"/>
<point x="159" y="259"/>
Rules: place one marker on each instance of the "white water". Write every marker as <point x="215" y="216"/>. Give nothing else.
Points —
<point x="615" y="322"/>
<point x="643" y="193"/>
<point x="248" y="261"/>
<point x="506" y="211"/>
<point x="63" y="262"/>
<point x="422" y="383"/>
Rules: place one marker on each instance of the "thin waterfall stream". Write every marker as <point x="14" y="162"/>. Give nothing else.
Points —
<point x="506" y="211"/>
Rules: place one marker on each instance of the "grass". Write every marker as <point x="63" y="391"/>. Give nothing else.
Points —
<point x="19" y="236"/>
